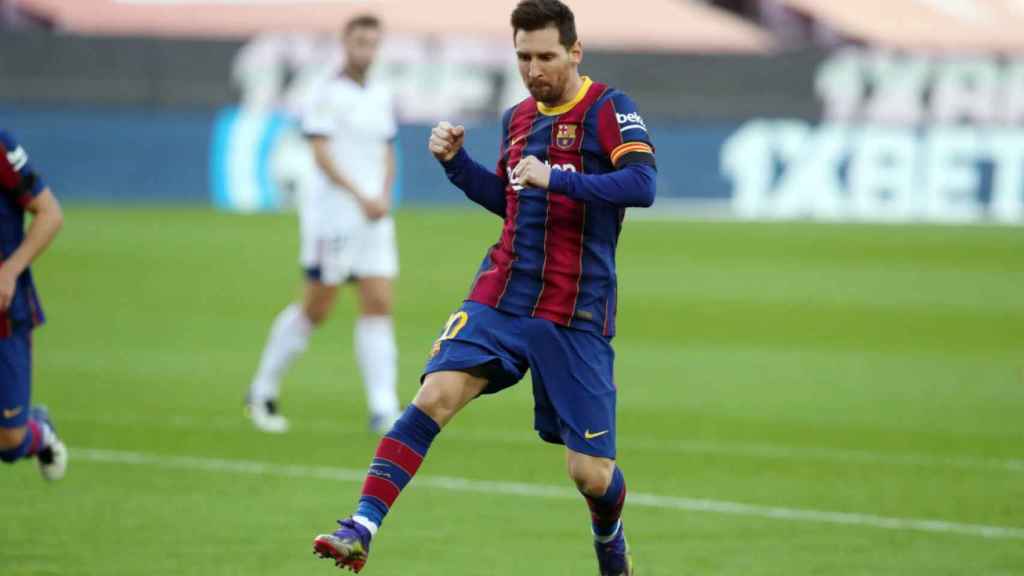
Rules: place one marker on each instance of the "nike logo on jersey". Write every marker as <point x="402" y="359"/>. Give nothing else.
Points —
<point x="591" y="435"/>
<point x="12" y="413"/>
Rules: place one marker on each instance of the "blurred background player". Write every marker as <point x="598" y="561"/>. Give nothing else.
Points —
<point x="574" y="156"/>
<point x="347" y="233"/>
<point x="25" y="430"/>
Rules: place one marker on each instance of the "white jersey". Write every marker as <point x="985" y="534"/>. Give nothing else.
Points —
<point x="358" y="122"/>
<point x="337" y="241"/>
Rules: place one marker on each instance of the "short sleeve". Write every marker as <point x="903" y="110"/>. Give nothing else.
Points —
<point x="623" y="132"/>
<point x="18" y="177"/>
<point x="318" y="115"/>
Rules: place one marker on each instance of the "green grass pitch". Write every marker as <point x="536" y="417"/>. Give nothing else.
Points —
<point x="868" y="370"/>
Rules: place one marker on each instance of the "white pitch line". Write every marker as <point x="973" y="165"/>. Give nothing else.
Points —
<point x="555" y="492"/>
<point x="632" y="442"/>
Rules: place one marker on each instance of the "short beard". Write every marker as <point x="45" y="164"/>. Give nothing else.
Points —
<point x="546" y="95"/>
<point x="358" y="70"/>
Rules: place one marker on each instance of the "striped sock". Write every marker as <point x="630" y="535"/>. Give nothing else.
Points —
<point x="398" y="457"/>
<point x="606" y="511"/>
<point x="30" y="445"/>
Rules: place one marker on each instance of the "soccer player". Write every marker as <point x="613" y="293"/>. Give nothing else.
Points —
<point x="26" y="431"/>
<point x="347" y="233"/>
<point x="574" y="156"/>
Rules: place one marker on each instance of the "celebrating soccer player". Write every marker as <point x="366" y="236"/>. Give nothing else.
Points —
<point x="574" y="156"/>
<point x="25" y="430"/>
<point x="347" y="233"/>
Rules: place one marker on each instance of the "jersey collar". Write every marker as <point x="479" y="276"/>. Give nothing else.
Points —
<point x="558" y="110"/>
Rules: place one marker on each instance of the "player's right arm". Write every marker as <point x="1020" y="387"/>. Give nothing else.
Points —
<point x="27" y="188"/>
<point x="373" y="209"/>
<point x="480" y="185"/>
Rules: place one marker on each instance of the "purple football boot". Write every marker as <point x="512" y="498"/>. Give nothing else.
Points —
<point x="348" y="546"/>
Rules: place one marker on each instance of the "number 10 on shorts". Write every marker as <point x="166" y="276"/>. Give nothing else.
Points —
<point x="456" y="322"/>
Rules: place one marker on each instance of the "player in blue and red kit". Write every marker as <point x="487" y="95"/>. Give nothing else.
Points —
<point x="573" y="157"/>
<point x="25" y="430"/>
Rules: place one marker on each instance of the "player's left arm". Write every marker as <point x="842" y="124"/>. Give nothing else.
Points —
<point x="18" y="178"/>
<point x="624" y="138"/>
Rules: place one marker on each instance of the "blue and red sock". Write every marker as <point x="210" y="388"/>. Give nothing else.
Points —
<point x="30" y="445"/>
<point x="398" y="457"/>
<point x="606" y="511"/>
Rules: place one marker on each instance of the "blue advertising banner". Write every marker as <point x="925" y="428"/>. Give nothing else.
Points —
<point x="259" y="162"/>
<point x="117" y="154"/>
<point x="760" y="169"/>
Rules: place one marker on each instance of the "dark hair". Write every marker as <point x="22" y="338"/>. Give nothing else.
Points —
<point x="531" y="15"/>
<point x="362" y="21"/>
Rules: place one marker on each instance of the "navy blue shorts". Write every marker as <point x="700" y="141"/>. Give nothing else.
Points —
<point x="572" y="370"/>
<point x="15" y="379"/>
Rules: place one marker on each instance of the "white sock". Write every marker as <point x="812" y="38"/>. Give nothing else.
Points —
<point x="366" y="523"/>
<point x="289" y="337"/>
<point x="378" y="359"/>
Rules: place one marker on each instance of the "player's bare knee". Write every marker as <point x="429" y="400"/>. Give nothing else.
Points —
<point x="317" y="302"/>
<point x="376" y="302"/>
<point x="376" y="306"/>
<point x="436" y="399"/>
<point x="375" y="295"/>
<point x="316" y="310"/>
<point x="11" y="437"/>
<point x="592" y="475"/>
<point x="439" y="400"/>
<point x="316" y="315"/>
<point x="443" y="394"/>
<point x="592" y="482"/>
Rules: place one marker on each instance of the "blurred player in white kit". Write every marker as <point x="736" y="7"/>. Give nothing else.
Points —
<point x="347" y="233"/>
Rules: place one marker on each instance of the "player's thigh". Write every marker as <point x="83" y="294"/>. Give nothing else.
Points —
<point x="377" y="253"/>
<point x="443" y="394"/>
<point x="574" y="390"/>
<point x="483" y="341"/>
<point x="375" y="295"/>
<point x="15" y="386"/>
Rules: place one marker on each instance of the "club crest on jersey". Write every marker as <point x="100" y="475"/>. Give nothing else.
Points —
<point x="565" y="136"/>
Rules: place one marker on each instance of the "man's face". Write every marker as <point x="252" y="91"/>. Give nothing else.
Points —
<point x="361" y="44"/>
<point x="545" y="65"/>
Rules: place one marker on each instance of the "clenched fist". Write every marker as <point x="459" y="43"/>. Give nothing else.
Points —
<point x="446" y="141"/>
<point x="532" y="173"/>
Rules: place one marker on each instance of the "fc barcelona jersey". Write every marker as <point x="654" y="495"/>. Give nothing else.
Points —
<point x="19" y="186"/>
<point x="555" y="258"/>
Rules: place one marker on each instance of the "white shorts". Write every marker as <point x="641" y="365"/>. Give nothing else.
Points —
<point x="341" y="251"/>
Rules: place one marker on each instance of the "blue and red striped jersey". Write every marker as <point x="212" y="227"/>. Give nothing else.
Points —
<point x="555" y="258"/>
<point x="19" y="185"/>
